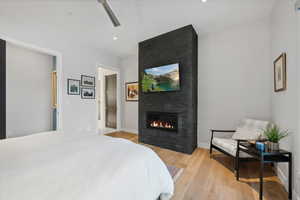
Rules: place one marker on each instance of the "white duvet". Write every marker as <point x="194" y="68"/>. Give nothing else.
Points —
<point x="54" y="166"/>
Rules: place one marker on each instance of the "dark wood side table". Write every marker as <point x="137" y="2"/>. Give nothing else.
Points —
<point x="264" y="157"/>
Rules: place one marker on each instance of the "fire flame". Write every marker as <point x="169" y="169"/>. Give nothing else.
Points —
<point x="161" y="124"/>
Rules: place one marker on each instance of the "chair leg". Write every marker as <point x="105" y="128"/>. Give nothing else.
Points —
<point x="235" y="166"/>
<point x="210" y="151"/>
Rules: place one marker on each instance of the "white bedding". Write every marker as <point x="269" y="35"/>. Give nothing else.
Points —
<point x="55" y="166"/>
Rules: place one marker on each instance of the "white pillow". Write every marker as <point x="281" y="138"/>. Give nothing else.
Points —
<point x="244" y="133"/>
<point x="250" y="129"/>
<point x="254" y="124"/>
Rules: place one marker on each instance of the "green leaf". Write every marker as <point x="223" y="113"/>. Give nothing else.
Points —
<point x="275" y="134"/>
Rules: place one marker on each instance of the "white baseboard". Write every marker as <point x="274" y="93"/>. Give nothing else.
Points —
<point x="130" y="130"/>
<point x="203" y="145"/>
<point x="296" y="196"/>
<point x="282" y="177"/>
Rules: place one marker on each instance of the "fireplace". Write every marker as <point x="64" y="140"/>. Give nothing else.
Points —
<point x="169" y="119"/>
<point x="162" y="120"/>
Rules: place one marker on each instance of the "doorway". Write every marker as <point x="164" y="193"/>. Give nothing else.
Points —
<point x="36" y="65"/>
<point x="56" y="122"/>
<point x="107" y="99"/>
<point x="111" y="101"/>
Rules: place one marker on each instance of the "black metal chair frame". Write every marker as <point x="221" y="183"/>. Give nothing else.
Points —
<point x="235" y="158"/>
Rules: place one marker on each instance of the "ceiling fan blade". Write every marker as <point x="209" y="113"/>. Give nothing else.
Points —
<point x="110" y="13"/>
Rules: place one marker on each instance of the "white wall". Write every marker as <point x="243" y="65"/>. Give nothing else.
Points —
<point x="234" y="77"/>
<point x="28" y="96"/>
<point x="129" y="69"/>
<point x="77" y="114"/>
<point x="81" y="114"/>
<point x="285" y="104"/>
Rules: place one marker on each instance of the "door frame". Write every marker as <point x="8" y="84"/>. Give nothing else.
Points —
<point x="119" y="95"/>
<point x="58" y="63"/>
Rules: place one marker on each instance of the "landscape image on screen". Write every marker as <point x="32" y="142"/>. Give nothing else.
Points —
<point x="159" y="79"/>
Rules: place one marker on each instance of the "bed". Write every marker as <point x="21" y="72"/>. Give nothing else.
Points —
<point x="59" y="166"/>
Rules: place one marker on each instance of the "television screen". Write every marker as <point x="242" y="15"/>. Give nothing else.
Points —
<point x="160" y="79"/>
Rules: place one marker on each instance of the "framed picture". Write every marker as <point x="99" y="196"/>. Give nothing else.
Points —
<point x="87" y="81"/>
<point x="280" y="73"/>
<point x="88" y="93"/>
<point x="73" y="87"/>
<point x="132" y="91"/>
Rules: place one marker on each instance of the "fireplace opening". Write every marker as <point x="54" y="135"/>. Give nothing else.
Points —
<point x="162" y="120"/>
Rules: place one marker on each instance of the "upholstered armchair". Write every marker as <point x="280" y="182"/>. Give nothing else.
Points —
<point x="226" y="141"/>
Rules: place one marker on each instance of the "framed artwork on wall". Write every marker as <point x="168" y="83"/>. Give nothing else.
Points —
<point x="132" y="91"/>
<point x="88" y="93"/>
<point x="280" y="73"/>
<point x="73" y="87"/>
<point x="87" y="81"/>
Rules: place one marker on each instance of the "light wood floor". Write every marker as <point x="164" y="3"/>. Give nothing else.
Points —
<point x="213" y="179"/>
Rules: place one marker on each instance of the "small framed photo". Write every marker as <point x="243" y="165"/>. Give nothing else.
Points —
<point x="280" y="73"/>
<point x="132" y="91"/>
<point x="88" y="93"/>
<point x="87" y="81"/>
<point x="73" y="87"/>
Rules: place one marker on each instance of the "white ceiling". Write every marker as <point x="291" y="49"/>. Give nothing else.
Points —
<point x="85" y="21"/>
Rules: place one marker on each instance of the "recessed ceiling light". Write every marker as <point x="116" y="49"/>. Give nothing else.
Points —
<point x="204" y="1"/>
<point x="115" y="38"/>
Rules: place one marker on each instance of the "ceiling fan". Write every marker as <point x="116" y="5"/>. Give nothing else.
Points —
<point x="110" y="12"/>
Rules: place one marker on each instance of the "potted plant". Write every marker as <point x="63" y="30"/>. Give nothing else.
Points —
<point x="274" y="134"/>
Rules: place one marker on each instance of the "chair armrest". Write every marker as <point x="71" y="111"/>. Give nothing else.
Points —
<point x="222" y="131"/>
<point x="238" y="140"/>
<point x="213" y="131"/>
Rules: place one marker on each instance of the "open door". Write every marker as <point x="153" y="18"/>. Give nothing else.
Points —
<point x="111" y="101"/>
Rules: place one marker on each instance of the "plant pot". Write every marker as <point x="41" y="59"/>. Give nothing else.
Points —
<point x="273" y="146"/>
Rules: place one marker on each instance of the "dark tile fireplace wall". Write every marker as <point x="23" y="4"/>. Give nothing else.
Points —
<point x="179" y="46"/>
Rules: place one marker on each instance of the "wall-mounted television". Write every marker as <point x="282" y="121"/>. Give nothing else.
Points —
<point x="161" y="79"/>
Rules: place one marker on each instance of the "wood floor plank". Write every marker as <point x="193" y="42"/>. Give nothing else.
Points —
<point x="206" y="178"/>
